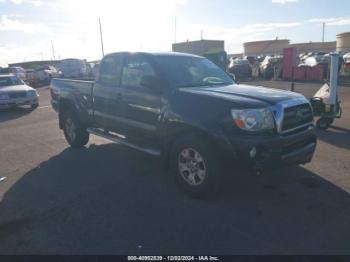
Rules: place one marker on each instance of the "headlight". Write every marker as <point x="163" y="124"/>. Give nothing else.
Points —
<point x="4" y="96"/>
<point x="32" y="93"/>
<point x="253" y="119"/>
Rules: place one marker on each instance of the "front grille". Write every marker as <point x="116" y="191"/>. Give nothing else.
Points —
<point x="19" y="94"/>
<point x="296" y="116"/>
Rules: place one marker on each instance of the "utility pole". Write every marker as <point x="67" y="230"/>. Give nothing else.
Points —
<point x="175" y="31"/>
<point x="103" y="51"/>
<point x="323" y="31"/>
<point x="53" y="51"/>
<point x="201" y="34"/>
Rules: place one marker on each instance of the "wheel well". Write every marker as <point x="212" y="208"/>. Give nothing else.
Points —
<point x="64" y="106"/>
<point x="173" y="133"/>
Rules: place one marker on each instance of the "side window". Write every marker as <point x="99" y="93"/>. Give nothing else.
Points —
<point x="134" y="70"/>
<point x="110" y="70"/>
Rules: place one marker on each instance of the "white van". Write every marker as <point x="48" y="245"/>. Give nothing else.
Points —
<point x="73" y="68"/>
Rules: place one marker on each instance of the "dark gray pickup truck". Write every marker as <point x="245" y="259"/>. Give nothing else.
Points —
<point x="188" y="111"/>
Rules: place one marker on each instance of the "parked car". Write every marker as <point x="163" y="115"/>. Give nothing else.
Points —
<point x="187" y="110"/>
<point x="218" y="58"/>
<point x="271" y="67"/>
<point x="44" y="75"/>
<point x="17" y="71"/>
<point x="14" y="92"/>
<point x="95" y="69"/>
<point x="31" y="77"/>
<point x="74" y="68"/>
<point x="346" y="58"/>
<point x="241" y="68"/>
<point x="251" y="59"/>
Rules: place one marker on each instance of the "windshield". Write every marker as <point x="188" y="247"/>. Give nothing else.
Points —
<point x="10" y="81"/>
<point x="183" y="71"/>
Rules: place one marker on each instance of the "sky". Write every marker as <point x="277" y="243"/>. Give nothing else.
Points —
<point x="30" y="28"/>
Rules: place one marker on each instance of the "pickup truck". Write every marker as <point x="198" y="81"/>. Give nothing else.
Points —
<point x="189" y="112"/>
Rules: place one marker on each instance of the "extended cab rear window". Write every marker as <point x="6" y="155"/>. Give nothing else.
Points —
<point x="110" y="70"/>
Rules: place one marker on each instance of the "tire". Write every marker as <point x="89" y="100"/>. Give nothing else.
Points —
<point x="324" y="123"/>
<point x="74" y="132"/>
<point x="196" y="170"/>
<point x="34" y="106"/>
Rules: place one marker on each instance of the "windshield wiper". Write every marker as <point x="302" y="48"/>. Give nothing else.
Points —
<point x="192" y="85"/>
<point x="219" y="83"/>
<point x="201" y="84"/>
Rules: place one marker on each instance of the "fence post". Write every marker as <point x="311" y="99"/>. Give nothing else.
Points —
<point x="292" y="88"/>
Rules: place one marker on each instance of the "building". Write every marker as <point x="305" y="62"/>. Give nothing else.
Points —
<point x="36" y="64"/>
<point x="267" y="47"/>
<point x="343" y="42"/>
<point x="275" y="47"/>
<point x="326" y="47"/>
<point x="200" y="47"/>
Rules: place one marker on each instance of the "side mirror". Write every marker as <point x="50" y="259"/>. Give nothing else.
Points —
<point x="233" y="77"/>
<point x="151" y="82"/>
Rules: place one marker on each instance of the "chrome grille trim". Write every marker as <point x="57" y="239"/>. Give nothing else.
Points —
<point x="278" y="112"/>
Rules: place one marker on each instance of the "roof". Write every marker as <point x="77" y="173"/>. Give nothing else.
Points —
<point x="267" y="41"/>
<point x="6" y="75"/>
<point x="200" y="41"/>
<point x="345" y="34"/>
<point x="173" y="54"/>
<point x="157" y="54"/>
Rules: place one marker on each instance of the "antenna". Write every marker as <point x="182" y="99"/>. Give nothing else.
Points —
<point x="102" y="47"/>
<point x="323" y="31"/>
<point x="175" y="30"/>
<point x="53" y="51"/>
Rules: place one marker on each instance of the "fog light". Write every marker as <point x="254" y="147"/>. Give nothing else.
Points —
<point x="252" y="153"/>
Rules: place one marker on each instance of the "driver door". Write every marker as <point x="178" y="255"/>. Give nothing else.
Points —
<point x="141" y="104"/>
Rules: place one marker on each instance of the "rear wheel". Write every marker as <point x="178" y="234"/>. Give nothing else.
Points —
<point x="74" y="132"/>
<point x="196" y="169"/>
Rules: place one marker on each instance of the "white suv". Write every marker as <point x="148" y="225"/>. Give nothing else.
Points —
<point x="17" y="71"/>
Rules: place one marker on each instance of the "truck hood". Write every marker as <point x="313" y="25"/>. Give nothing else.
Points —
<point x="245" y="92"/>
<point x="15" y="88"/>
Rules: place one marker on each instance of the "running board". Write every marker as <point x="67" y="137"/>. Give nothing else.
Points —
<point x="119" y="140"/>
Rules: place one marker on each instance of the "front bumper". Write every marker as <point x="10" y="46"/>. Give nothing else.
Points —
<point x="259" y="152"/>
<point x="8" y="103"/>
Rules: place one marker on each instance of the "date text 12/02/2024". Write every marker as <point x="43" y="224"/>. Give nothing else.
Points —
<point x="173" y="258"/>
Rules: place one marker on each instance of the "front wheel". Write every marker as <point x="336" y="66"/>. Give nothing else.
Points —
<point x="74" y="132"/>
<point x="34" y="106"/>
<point x="196" y="169"/>
<point x="324" y="123"/>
